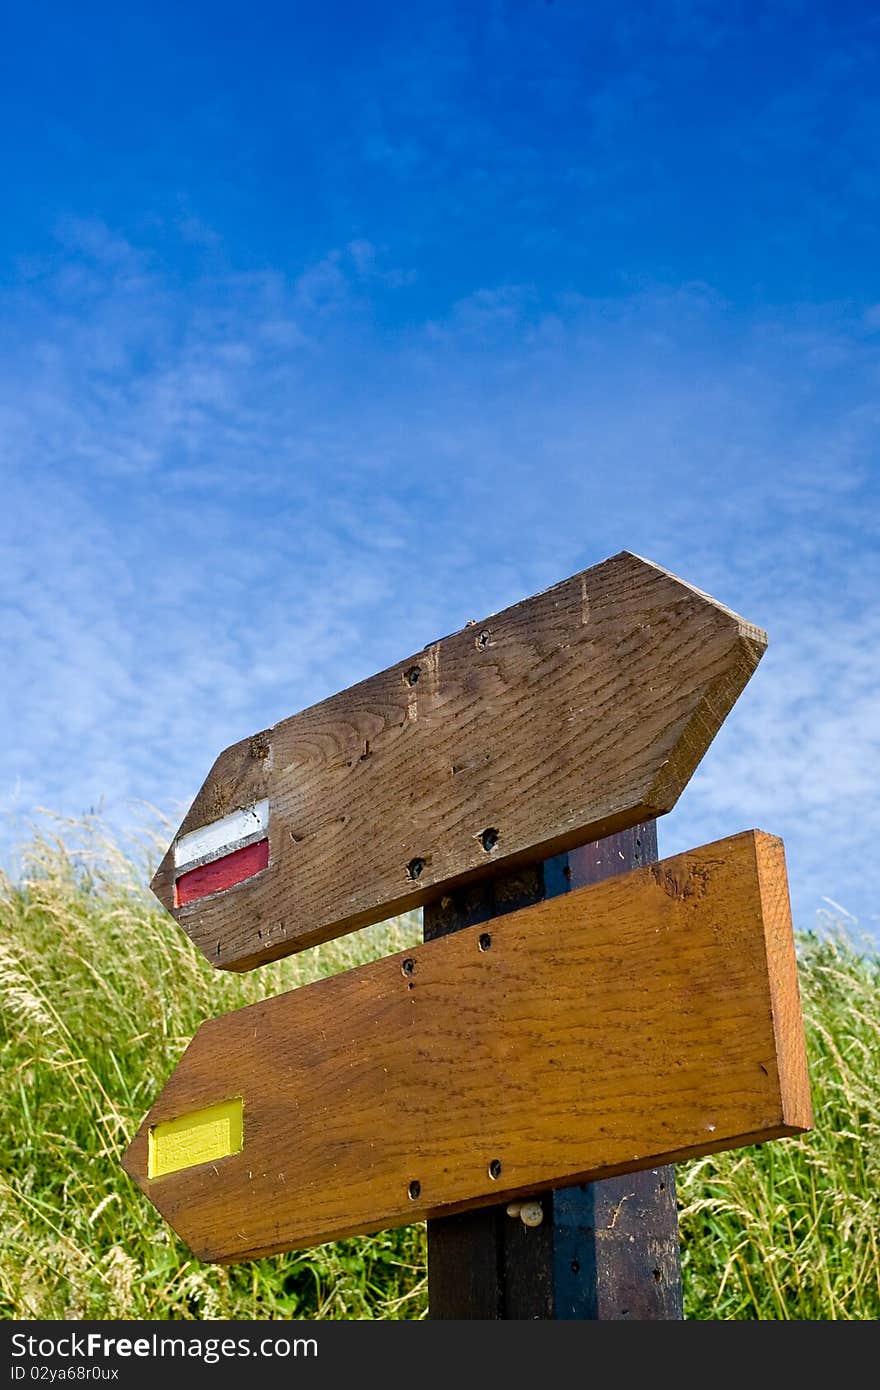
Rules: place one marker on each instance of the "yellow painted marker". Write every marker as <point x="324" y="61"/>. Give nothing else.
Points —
<point x="202" y="1136"/>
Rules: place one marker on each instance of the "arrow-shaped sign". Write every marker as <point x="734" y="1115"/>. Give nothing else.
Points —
<point x="649" y="1018"/>
<point x="574" y="714"/>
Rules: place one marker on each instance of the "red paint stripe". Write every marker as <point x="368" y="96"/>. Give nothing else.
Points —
<point x="221" y="873"/>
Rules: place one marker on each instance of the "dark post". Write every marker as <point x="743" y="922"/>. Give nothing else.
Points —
<point x="603" y="1251"/>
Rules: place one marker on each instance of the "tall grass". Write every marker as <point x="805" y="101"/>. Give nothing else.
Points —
<point x="791" y="1229"/>
<point x="100" y="994"/>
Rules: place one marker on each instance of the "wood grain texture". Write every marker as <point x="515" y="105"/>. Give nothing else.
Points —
<point x="575" y="714"/>
<point x="646" y="1019"/>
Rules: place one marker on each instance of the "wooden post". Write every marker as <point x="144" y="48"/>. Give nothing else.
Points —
<point x="604" y="1251"/>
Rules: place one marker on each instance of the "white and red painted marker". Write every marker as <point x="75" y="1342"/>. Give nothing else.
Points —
<point x="221" y="854"/>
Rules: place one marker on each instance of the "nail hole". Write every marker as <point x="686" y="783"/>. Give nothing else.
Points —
<point x="412" y="675"/>
<point x="414" y="867"/>
<point x="408" y="966"/>
<point x="663" y="1187"/>
<point x="656" y="1274"/>
<point x="575" y="1266"/>
<point x="485" y="941"/>
<point x="483" y="641"/>
<point x="415" y="1190"/>
<point x="489" y="838"/>
<point x="495" y="1168"/>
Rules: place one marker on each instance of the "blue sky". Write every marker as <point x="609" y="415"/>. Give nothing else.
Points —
<point x="326" y="330"/>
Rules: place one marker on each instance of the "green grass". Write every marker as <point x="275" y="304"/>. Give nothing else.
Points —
<point x="790" y="1229"/>
<point x="101" y="992"/>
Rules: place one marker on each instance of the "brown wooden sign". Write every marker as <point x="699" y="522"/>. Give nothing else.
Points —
<point x="573" y="715"/>
<point x="649" y="1018"/>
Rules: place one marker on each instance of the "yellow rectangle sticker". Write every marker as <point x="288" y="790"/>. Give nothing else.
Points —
<point x="202" y="1136"/>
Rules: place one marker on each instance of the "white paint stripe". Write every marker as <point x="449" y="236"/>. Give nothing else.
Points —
<point x="221" y="835"/>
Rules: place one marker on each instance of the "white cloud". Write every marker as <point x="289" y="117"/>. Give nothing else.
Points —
<point x="226" y="498"/>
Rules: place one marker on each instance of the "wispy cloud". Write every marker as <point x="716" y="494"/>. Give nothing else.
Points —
<point x="232" y="492"/>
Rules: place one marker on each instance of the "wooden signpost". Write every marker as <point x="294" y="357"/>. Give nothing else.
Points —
<point x="492" y="1063"/>
<point x="575" y="714"/>
<point x="563" y="1022"/>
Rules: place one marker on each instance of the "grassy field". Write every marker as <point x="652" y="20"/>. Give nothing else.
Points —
<point x="101" y="992"/>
